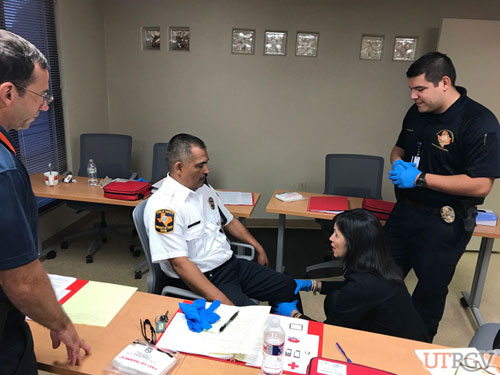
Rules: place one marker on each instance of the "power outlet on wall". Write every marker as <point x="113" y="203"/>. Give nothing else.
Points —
<point x="302" y="186"/>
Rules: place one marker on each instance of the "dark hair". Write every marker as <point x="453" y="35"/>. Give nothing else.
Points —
<point x="365" y="244"/>
<point x="435" y="65"/>
<point x="179" y="148"/>
<point x="17" y="60"/>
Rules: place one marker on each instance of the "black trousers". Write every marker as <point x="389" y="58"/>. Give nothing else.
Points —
<point x="424" y="242"/>
<point x="17" y="356"/>
<point x="240" y="280"/>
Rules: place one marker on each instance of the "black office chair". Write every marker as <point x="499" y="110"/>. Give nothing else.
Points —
<point x="112" y="155"/>
<point x="487" y="338"/>
<point x="157" y="281"/>
<point x="349" y="175"/>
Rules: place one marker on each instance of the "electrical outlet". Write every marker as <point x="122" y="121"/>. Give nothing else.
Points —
<point x="302" y="186"/>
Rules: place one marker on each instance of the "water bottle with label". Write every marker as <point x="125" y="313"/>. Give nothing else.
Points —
<point x="92" y="173"/>
<point x="274" y="342"/>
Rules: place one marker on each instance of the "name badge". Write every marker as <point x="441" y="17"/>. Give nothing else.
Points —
<point x="415" y="159"/>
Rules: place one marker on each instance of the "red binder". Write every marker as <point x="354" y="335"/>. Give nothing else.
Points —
<point x="325" y="366"/>
<point x="381" y="209"/>
<point x="129" y="190"/>
<point x="328" y="204"/>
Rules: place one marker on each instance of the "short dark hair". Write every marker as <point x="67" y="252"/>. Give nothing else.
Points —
<point x="179" y="148"/>
<point x="17" y="60"/>
<point x="435" y="65"/>
<point x="365" y="243"/>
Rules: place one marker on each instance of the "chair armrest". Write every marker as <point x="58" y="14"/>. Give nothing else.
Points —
<point x="240" y="250"/>
<point x="179" y="292"/>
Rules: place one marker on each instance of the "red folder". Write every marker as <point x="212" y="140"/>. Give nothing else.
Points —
<point x="325" y="366"/>
<point x="328" y="204"/>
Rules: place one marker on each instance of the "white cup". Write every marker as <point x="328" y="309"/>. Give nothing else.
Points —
<point x="51" y="178"/>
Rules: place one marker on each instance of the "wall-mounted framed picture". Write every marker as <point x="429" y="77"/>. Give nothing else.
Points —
<point x="243" y="41"/>
<point x="405" y="48"/>
<point x="307" y="44"/>
<point x="275" y="43"/>
<point x="372" y="47"/>
<point x="179" y="38"/>
<point x="151" y="38"/>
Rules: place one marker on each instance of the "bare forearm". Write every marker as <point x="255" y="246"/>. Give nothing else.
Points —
<point x="460" y="184"/>
<point x="29" y="289"/>
<point x="196" y="280"/>
<point x="397" y="153"/>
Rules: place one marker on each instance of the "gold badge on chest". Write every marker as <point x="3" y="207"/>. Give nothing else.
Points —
<point x="448" y="214"/>
<point x="211" y="203"/>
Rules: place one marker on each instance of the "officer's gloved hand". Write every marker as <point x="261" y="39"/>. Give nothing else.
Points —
<point x="404" y="178"/>
<point x="198" y="318"/>
<point x="398" y="165"/>
<point x="285" y="308"/>
<point x="304" y="285"/>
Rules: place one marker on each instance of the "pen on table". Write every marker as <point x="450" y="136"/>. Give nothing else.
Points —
<point x="343" y="353"/>
<point x="229" y="321"/>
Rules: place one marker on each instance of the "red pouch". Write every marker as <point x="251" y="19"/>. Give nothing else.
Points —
<point x="381" y="209"/>
<point x="130" y="190"/>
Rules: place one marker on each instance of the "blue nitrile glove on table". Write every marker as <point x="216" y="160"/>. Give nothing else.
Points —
<point x="303" y="285"/>
<point x="403" y="174"/>
<point x="198" y="318"/>
<point x="285" y="308"/>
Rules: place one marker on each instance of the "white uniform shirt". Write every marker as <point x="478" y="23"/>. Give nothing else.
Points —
<point x="185" y="223"/>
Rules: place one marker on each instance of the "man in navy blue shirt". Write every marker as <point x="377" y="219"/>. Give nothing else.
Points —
<point x="444" y="163"/>
<point x="25" y="288"/>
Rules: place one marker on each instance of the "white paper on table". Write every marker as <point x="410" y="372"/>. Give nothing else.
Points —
<point x="236" y="198"/>
<point x="60" y="283"/>
<point x="446" y="361"/>
<point x="238" y="337"/>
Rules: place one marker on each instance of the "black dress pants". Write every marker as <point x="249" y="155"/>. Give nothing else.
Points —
<point x="432" y="247"/>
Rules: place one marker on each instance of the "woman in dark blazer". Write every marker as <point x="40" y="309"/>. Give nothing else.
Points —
<point x="373" y="296"/>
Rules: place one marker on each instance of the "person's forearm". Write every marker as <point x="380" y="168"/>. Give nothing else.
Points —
<point x="460" y="184"/>
<point x="197" y="281"/>
<point x="28" y="288"/>
<point x="397" y="153"/>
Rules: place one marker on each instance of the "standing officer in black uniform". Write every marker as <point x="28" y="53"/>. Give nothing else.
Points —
<point x="444" y="163"/>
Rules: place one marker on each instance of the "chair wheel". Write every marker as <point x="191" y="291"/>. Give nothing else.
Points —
<point x="138" y="275"/>
<point x="64" y="245"/>
<point x="136" y="253"/>
<point x="89" y="259"/>
<point x="51" y="254"/>
<point x="131" y="248"/>
<point x="464" y="302"/>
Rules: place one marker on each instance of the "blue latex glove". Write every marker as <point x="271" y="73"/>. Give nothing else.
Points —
<point x="398" y="165"/>
<point x="302" y="285"/>
<point x="285" y="308"/>
<point x="404" y="178"/>
<point x="141" y="179"/>
<point x="198" y="318"/>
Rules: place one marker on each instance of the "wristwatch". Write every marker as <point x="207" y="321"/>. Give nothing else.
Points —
<point x="421" y="180"/>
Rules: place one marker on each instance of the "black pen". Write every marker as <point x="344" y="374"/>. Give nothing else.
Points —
<point x="229" y="321"/>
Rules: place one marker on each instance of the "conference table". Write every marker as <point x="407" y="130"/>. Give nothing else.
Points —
<point x="470" y="299"/>
<point x="379" y="351"/>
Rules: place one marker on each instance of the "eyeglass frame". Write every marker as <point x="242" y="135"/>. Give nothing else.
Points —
<point x="151" y="340"/>
<point x="47" y="98"/>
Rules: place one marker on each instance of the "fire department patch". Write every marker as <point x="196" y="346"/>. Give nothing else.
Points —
<point x="445" y="137"/>
<point x="164" y="221"/>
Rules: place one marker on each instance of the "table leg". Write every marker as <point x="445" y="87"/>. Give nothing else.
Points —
<point x="473" y="299"/>
<point x="281" y="240"/>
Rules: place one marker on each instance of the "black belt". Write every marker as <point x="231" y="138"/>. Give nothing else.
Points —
<point x="210" y="273"/>
<point x="417" y="206"/>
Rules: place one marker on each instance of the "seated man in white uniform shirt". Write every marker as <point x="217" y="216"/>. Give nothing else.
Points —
<point x="186" y="220"/>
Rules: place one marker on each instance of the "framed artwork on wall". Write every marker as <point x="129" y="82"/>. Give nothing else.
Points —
<point x="405" y="48"/>
<point x="372" y="47"/>
<point x="179" y="39"/>
<point x="275" y="43"/>
<point x="307" y="44"/>
<point x="151" y="38"/>
<point x="243" y="41"/>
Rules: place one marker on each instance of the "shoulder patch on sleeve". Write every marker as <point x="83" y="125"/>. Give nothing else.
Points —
<point x="164" y="221"/>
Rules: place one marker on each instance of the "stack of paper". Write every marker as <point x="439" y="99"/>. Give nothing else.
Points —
<point x="329" y="204"/>
<point x="486" y="217"/>
<point x="290" y="196"/>
<point x="236" y="198"/>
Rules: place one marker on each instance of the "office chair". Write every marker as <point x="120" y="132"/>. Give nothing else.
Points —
<point x="487" y="338"/>
<point x="349" y="175"/>
<point x="160" y="162"/>
<point x="157" y="281"/>
<point x="112" y="155"/>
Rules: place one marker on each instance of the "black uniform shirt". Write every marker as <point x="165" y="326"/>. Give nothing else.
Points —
<point x="465" y="139"/>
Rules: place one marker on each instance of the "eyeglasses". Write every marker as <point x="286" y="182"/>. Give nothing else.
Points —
<point x="47" y="98"/>
<point x="144" y="330"/>
<point x="469" y="365"/>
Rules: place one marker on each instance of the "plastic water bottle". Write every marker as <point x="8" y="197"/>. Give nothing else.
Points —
<point x="92" y="173"/>
<point x="274" y="342"/>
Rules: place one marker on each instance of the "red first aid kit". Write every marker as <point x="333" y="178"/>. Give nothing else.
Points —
<point x="381" y="209"/>
<point x="129" y="190"/>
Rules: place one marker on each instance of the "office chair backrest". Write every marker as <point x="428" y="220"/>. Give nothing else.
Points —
<point x="112" y="154"/>
<point x="160" y="164"/>
<point x="156" y="278"/>
<point x="354" y="175"/>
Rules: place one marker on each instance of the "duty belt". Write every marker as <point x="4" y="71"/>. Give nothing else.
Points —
<point x="447" y="212"/>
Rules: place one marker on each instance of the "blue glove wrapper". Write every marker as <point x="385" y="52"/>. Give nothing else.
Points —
<point x="198" y="318"/>
<point x="285" y="308"/>
<point x="302" y="285"/>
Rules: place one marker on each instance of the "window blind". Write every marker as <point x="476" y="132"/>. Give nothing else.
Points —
<point x="44" y="142"/>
